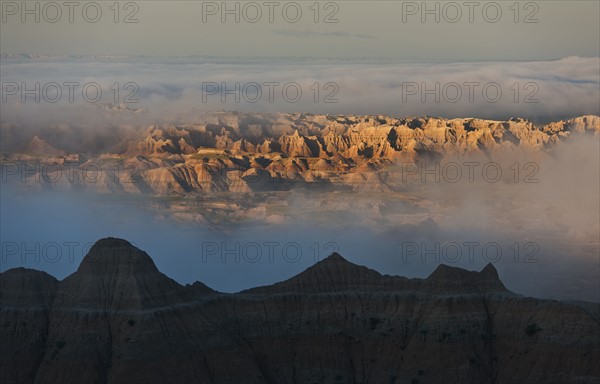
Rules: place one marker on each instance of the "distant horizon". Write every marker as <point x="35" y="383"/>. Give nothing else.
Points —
<point x="42" y="55"/>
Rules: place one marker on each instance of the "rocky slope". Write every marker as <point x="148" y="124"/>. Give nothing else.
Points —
<point x="117" y="319"/>
<point x="249" y="152"/>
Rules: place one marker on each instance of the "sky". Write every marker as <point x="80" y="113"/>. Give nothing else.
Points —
<point x="486" y="31"/>
<point x="537" y="60"/>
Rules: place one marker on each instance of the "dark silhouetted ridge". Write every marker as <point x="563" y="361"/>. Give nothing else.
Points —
<point x="119" y="320"/>
<point x="116" y="275"/>
<point x="116" y="257"/>
<point x="332" y="274"/>
<point x="455" y="279"/>
<point x="24" y="287"/>
<point x="335" y="258"/>
<point x="336" y="274"/>
<point x="489" y="272"/>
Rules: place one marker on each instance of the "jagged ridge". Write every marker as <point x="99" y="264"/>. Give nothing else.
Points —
<point x="119" y="320"/>
<point x="229" y="152"/>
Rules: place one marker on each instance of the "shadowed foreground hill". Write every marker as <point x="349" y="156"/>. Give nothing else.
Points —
<point x="117" y="319"/>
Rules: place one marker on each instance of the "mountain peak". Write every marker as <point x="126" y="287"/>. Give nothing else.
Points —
<point x="489" y="271"/>
<point x="26" y="287"/>
<point x="447" y="277"/>
<point x="332" y="274"/>
<point x="428" y="226"/>
<point x="38" y="146"/>
<point x="114" y="255"/>
<point x="336" y="262"/>
<point x="335" y="258"/>
<point x="115" y="274"/>
<point x="107" y="241"/>
<point x="445" y="271"/>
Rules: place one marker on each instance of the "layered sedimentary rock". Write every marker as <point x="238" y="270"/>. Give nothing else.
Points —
<point x="228" y="152"/>
<point x="117" y="319"/>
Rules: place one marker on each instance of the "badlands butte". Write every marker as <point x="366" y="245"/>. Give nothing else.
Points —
<point x="118" y="319"/>
<point x="225" y="166"/>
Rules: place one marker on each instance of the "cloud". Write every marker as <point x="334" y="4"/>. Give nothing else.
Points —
<point x="304" y="33"/>
<point x="169" y="88"/>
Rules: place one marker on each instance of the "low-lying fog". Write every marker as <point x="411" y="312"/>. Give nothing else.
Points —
<point x="554" y="225"/>
<point x="541" y="91"/>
